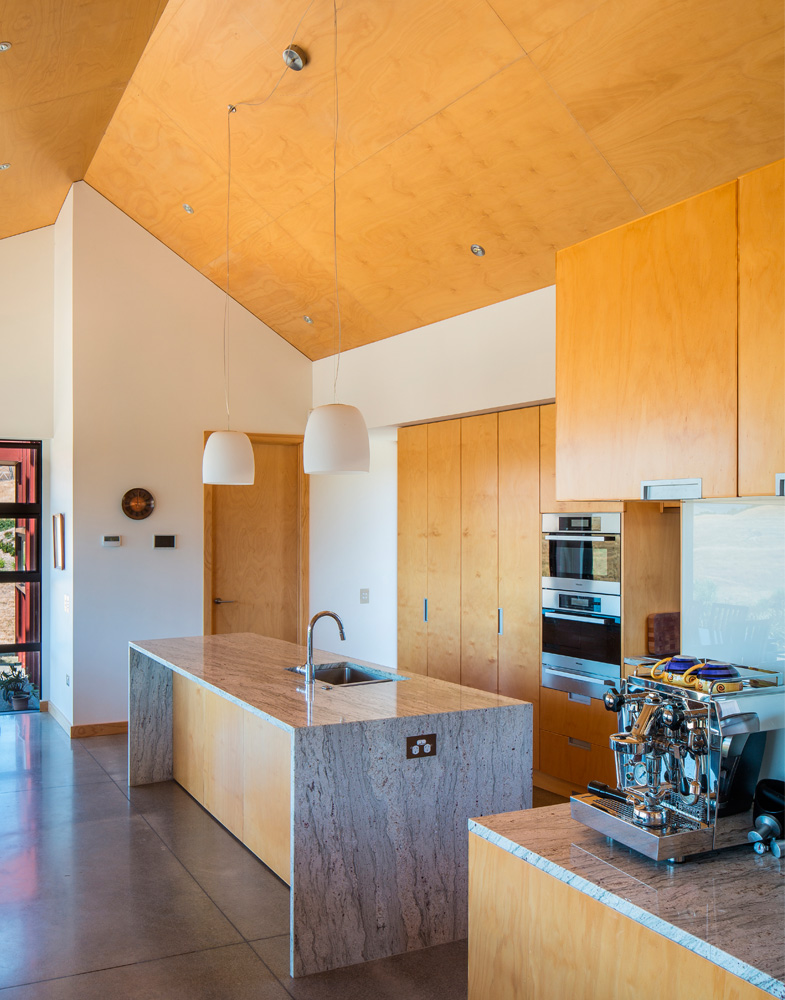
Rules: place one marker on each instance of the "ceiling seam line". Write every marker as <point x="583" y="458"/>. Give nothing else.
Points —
<point x="589" y="139"/>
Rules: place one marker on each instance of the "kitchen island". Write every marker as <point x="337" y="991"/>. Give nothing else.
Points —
<point x="556" y="910"/>
<point x="373" y="843"/>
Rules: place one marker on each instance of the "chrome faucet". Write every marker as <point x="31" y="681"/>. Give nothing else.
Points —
<point x="309" y="667"/>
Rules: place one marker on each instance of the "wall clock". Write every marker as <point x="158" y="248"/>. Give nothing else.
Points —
<point x="138" y="503"/>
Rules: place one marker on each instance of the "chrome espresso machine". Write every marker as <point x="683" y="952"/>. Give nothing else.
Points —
<point x="692" y="743"/>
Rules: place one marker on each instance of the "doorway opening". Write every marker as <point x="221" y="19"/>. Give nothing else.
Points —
<point x="20" y="575"/>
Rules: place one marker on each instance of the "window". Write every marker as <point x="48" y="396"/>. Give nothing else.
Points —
<point x="20" y="557"/>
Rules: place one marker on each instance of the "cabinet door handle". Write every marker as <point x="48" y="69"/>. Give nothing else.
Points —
<point x="500" y="621"/>
<point x="580" y="744"/>
<point x="425" y="609"/>
<point x="579" y="699"/>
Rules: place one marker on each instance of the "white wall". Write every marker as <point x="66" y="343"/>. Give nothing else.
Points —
<point x="354" y="546"/>
<point x="147" y="383"/>
<point x="58" y="660"/>
<point x="26" y="323"/>
<point x="496" y="357"/>
<point x="499" y="356"/>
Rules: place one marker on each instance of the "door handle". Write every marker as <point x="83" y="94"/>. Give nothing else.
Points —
<point x="217" y="600"/>
<point x="500" y="621"/>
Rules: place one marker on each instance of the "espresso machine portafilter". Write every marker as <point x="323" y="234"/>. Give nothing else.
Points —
<point x="687" y="762"/>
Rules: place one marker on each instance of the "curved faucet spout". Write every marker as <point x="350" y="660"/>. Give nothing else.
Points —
<point x="309" y="667"/>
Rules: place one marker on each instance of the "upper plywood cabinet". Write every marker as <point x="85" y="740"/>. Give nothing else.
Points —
<point x="761" y="329"/>
<point x="646" y="353"/>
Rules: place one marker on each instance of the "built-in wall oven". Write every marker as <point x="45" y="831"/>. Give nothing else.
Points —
<point x="581" y="603"/>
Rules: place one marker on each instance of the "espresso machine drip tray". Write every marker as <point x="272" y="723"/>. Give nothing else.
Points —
<point x="615" y="819"/>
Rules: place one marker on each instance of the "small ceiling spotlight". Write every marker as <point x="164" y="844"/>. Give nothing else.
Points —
<point x="307" y="319"/>
<point x="295" y="57"/>
<point x="5" y="46"/>
<point x="4" y="166"/>
<point x="477" y="250"/>
<point x="188" y="208"/>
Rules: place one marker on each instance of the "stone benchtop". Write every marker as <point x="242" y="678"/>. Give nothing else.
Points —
<point x="249" y="670"/>
<point x="728" y="906"/>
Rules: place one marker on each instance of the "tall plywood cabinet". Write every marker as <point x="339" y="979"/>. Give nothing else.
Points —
<point x="761" y="329"/>
<point x="468" y="552"/>
<point x="646" y="353"/>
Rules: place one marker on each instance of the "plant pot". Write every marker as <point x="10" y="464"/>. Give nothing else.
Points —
<point x="19" y="702"/>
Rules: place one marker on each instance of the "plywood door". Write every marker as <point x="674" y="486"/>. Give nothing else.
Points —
<point x="267" y="782"/>
<point x="519" y="558"/>
<point x="444" y="550"/>
<point x="412" y="547"/>
<point x="479" y="551"/>
<point x="761" y="329"/>
<point x="532" y="937"/>
<point x="257" y="546"/>
<point x="646" y="353"/>
<point x="548" y="502"/>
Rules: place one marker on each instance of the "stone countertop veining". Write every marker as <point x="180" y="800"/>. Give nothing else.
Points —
<point x="249" y="670"/>
<point x="728" y="906"/>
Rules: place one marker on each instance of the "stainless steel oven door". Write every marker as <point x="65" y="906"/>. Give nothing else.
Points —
<point x="583" y="563"/>
<point x="584" y="638"/>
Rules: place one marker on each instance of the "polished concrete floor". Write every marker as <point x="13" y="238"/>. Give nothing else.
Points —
<point x="109" y="893"/>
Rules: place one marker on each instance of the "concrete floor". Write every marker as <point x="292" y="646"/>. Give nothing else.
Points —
<point x="107" y="892"/>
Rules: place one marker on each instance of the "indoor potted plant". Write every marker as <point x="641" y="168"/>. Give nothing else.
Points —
<point x="14" y="687"/>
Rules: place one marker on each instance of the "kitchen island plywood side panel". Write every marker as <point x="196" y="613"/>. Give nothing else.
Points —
<point x="646" y="353"/>
<point x="223" y="761"/>
<point x="761" y="329"/>
<point x="267" y="793"/>
<point x="412" y="547"/>
<point x="188" y="735"/>
<point x="533" y="937"/>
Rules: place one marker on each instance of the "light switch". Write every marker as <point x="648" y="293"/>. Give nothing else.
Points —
<point x="365" y="596"/>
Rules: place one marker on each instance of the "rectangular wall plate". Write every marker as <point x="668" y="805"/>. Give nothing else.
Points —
<point x="420" y="746"/>
<point x="164" y="541"/>
<point x="365" y="595"/>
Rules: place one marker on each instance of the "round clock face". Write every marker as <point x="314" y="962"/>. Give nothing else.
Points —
<point x="138" y="503"/>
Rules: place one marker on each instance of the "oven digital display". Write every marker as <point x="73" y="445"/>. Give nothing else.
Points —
<point x="579" y="603"/>
<point x="575" y="524"/>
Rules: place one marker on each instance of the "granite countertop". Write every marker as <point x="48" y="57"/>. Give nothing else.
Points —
<point x="249" y="670"/>
<point x="728" y="906"/>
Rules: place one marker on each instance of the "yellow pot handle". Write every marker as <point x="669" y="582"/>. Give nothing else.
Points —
<point x="660" y="663"/>
<point x="688" y="677"/>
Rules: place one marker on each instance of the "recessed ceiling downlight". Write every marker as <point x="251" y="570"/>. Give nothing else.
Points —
<point x="295" y="57"/>
<point x="477" y="250"/>
<point x="4" y="166"/>
<point x="5" y="46"/>
<point x="307" y="319"/>
<point x="188" y="208"/>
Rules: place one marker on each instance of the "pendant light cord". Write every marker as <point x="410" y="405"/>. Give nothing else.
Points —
<point x="231" y="109"/>
<point x="336" y="355"/>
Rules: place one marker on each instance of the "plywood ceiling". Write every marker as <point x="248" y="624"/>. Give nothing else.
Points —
<point x="523" y="125"/>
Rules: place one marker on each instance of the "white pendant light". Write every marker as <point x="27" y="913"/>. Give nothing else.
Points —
<point x="228" y="459"/>
<point x="228" y="455"/>
<point x="336" y="441"/>
<point x="336" y="438"/>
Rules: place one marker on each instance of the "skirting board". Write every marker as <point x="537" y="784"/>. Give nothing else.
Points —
<point x="83" y="732"/>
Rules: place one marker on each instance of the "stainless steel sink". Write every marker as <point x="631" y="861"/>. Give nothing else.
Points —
<point x="345" y="673"/>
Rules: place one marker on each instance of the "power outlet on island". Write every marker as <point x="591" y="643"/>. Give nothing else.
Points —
<point x="420" y="746"/>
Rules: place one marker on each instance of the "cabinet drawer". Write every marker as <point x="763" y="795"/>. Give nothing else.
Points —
<point x="575" y="761"/>
<point x="592" y="723"/>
